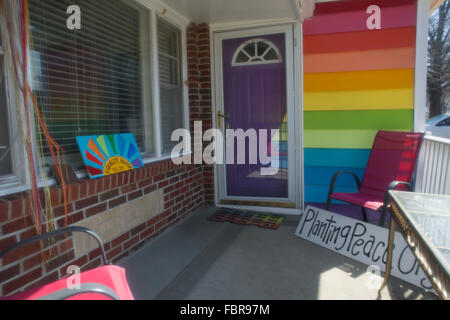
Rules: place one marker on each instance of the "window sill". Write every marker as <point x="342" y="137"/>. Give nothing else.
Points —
<point x="8" y="188"/>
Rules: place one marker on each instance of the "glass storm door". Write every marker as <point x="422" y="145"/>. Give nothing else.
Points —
<point x="254" y="85"/>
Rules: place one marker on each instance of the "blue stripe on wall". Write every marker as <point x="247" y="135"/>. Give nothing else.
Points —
<point x="318" y="193"/>
<point x="335" y="158"/>
<point x="323" y="176"/>
<point x="321" y="164"/>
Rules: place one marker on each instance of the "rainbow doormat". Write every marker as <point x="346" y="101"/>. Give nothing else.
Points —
<point x="266" y="221"/>
<point x="109" y="153"/>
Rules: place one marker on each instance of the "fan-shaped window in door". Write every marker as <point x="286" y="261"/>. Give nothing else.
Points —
<point x="256" y="51"/>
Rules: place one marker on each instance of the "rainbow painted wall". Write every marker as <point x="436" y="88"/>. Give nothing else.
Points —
<point x="356" y="81"/>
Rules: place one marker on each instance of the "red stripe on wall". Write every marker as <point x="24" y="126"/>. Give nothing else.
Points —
<point x="360" y="41"/>
<point x="348" y="21"/>
<point x="357" y="5"/>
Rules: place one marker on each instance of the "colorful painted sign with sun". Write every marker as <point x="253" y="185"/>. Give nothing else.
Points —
<point x="109" y="153"/>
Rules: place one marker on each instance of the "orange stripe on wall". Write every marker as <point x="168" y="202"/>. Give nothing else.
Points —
<point x="359" y="80"/>
<point x="360" y="40"/>
<point x="401" y="58"/>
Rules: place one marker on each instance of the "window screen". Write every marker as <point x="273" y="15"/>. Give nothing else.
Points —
<point x="88" y="81"/>
<point x="5" y="156"/>
<point x="171" y="87"/>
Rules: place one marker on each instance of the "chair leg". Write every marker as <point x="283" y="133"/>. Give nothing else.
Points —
<point x="328" y="202"/>
<point x="383" y="216"/>
<point x="364" y="213"/>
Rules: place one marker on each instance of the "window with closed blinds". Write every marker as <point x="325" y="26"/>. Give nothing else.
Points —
<point x="170" y="77"/>
<point x="90" y="81"/>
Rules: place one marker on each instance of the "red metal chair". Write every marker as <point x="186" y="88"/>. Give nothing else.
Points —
<point x="391" y="164"/>
<point x="107" y="282"/>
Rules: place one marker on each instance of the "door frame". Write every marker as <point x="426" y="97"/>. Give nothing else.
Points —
<point x="294" y="84"/>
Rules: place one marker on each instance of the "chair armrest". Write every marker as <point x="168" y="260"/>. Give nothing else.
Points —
<point x="85" y="288"/>
<point x="392" y="186"/>
<point x="333" y="182"/>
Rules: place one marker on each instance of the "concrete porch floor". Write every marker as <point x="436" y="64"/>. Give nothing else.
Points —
<point x="201" y="259"/>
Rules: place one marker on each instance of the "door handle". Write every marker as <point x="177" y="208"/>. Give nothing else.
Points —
<point x="222" y="117"/>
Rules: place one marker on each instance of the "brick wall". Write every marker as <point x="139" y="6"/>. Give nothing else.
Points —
<point x="199" y="69"/>
<point x="180" y="189"/>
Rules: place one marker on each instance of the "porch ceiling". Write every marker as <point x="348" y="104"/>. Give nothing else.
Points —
<point x="234" y="11"/>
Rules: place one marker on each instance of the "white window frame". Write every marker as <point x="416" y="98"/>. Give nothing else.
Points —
<point x="251" y="62"/>
<point x="19" y="180"/>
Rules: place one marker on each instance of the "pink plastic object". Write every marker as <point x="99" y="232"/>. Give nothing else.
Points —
<point x="111" y="277"/>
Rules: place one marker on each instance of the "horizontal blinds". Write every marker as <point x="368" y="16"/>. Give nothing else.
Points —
<point x="5" y="155"/>
<point x="171" y="90"/>
<point x="88" y="81"/>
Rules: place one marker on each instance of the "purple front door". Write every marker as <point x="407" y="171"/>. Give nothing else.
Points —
<point x="254" y="91"/>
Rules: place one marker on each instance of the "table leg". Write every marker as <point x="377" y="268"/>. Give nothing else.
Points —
<point x="389" y="254"/>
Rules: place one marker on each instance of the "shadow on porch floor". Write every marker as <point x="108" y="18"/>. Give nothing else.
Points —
<point x="201" y="259"/>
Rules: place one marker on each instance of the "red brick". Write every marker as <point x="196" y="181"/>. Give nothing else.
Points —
<point x="46" y="280"/>
<point x="128" y="188"/>
<point x="130" y="242"/>
<point x="17" y="209"/>
<point x="146" y="233"/>
<point x="59" y="261"/>
<point x="61" y="210"/>
<point x="163" y="184"/>
<point x="109" y="194"/>
<point x="117" y="241"/>
<point x="168" y="204"/>
<point x="134" y="195"/>
<point x="160" y="224"/>
<point x="80" y="204"/>
<point x="65" y="245"/>
<point x="74" y="218"/>
<point x="145" y="183"/>
<point x="4" y="210"/>
<point x="97" y="209"/>
<point x="150" y="189"/>
<point x="117" y="202"/>
<point x="22" y="281"/>
<point x="92" y="264"/>
<point x="114" y="181"/>
<point x="32" y="262"/>
<point x="28" y="234"/>
<point x="132" y="176"/>
<point x="114" y="252"/>
<point x="152" y="221"/>
<point x="94" y="254"/>
<point x="106" y="184"/>
<point x="126" y="178"/>
<point x="5" y="243"/>
<point x="137" y="229"/>
<point x="17" y="225"/>
<point x="79" y="262"/>
<point x="83" y="189"/>
<point x="8" y="273"/>
<point x="73" y="192"/>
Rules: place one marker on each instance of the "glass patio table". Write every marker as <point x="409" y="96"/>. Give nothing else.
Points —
<point x="424" y="222"/>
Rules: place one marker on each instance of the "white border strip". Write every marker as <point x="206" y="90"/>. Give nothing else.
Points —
<point x="420" y="87"/>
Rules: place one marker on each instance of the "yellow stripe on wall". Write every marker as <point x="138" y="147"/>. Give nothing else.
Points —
<point x="341" y="139"/>
<point x="360" y="80"/>
<point x="397" y="99"/>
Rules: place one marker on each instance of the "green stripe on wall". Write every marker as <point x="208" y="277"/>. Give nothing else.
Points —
<point x="341" y="139"/>
<point x="364" y="119"/>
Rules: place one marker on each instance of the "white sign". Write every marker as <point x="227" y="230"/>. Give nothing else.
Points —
<point x="364" y="242"/>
